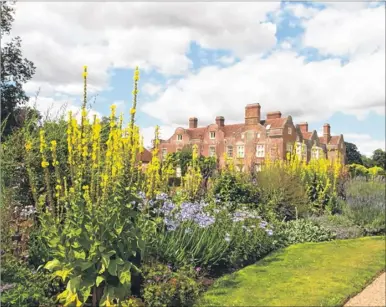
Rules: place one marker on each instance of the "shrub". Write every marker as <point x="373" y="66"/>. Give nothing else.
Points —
<point x="234" y="188"/>
<point x="301" y="231"/>
<point x="366" y="204"/>
<point x="38" y="250"/>
<point x="24" y="287"/>
<point x="163" y="287"/>
<point x="339" y="224"/>
<point x="283" y="195"/>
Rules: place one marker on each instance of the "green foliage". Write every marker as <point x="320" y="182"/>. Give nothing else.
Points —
<point x="366" y="205"/>
<point x="94" y="247"/>
<point x="352" y="154"/>
<point x="38" y="250"/>
<point x="230" y="242"/>
<point x="340" y="225"/>
<point x="367" y="162"/>
<point x="234" y="189"/>
<point x="283" y="196"/>
<point x="379" y="158"/>
<point x="301" y="231"/>
<point x="26" y="287"/>
<point x="164" y="288"/>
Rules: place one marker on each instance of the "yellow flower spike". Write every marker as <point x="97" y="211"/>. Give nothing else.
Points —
<point x="45" y="164"/>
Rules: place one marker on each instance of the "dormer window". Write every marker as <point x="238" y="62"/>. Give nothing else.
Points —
<point x="289" y="130"/>
<point x="212" y="135"/>
<point x="179" y="137"/>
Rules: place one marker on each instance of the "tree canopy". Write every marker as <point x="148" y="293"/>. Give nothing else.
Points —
<point x="15" y="72"/>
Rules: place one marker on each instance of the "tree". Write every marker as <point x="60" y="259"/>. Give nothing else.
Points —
<point x="352" y="154"/>
<point x="15" y="71"/>
<point x="379" y="158"/>
<point x="367" y="162"/>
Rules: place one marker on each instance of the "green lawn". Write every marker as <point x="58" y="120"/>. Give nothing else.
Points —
<point x="310" y="274"/>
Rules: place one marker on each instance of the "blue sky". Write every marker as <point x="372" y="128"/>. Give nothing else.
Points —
<point x="300" y="58"/>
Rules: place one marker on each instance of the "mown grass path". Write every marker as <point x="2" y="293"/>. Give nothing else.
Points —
<point x="310" y="274"/>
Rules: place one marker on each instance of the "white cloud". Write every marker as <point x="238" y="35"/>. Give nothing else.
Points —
<point x="166" y="131"/>
<point x="341" y="32"/>
<point x="226" y="60"/>
<point x="51" y="108"/>
<point x="365" y="143"/>
<point x="151" y="88"/>
<point x="62" y="37"/>
<point x="286" y="45"/>
<point x="301" y="11"/>
<point x="283" y="81"/>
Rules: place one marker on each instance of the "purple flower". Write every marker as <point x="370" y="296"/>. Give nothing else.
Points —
<point x="198" y="269"/>
<point x="162" y="196"/>
<point x="142" y="195"/>
<point x="171" y="225"/>
<point x="269" y="232"/>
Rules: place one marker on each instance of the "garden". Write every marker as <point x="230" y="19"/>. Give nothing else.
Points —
<point x="83" y="223"/>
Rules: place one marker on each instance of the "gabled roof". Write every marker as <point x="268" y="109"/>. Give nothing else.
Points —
<point x="196" y="133"/>
<point x="276" y="122"/>
<point x="307" y="135"/>
<point x="333" y="141"/>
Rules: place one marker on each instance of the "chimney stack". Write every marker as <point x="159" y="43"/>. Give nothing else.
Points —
<point x="303" y="127"/>
<point x="220" y="121"/>
<point x="327" y="132"/>
<point x="252" y="114"/>
<point x="193" y="122"/>
<point x="273" y="115"/>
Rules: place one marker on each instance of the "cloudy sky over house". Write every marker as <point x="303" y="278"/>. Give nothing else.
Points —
<point x="319" y="62"/>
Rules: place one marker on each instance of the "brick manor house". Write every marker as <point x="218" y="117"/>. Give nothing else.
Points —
<point x="249" y="143"/>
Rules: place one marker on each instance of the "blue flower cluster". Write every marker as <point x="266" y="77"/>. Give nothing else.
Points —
<point x="187" y="212"/>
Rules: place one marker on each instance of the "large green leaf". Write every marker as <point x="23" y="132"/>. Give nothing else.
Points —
<point x="125" y="274"/>
<point x="52" y="265"/>
<point x="112" y="268"/>
<point x="99" y="279"/>
<point x="84" y="265"/>
<point x="74" y="283"/>
<point x="80" y="255"/>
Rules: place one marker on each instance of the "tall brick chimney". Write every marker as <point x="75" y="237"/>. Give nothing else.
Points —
<point x="220" y="121"/>
<point x="327" y="132"/>
<point x="303" y="127"/>
<point x="193" y="122"/>
<point x="252" y="114"/>
<point x="273" y="115"/>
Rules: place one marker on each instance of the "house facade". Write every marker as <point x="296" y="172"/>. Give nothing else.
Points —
<point x="251" y="142"/>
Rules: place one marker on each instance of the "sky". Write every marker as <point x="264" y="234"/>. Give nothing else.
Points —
<point x="320" y="62"/>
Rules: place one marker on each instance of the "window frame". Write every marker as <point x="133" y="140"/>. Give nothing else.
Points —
<point x="238" y="151"/>
<point x="227" y="151"/>
<point x="214" y="135"/>
<point x="260" y="150"/>
<point x="179" y="137"/>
